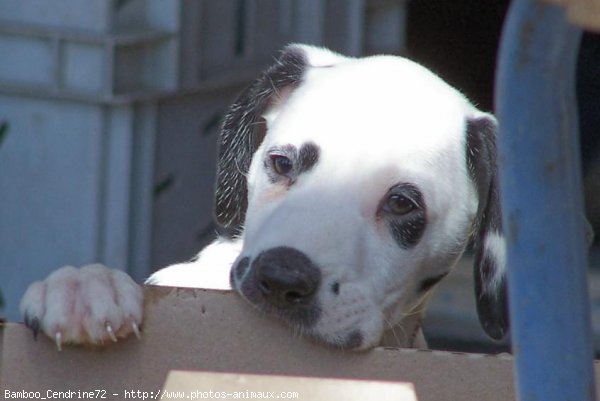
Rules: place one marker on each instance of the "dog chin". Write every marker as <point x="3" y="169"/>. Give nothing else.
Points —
<point x="310" y="325"/>
<point x="355" y="340"/>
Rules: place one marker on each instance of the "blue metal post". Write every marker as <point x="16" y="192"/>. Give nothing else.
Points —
<point x="543" y="206"/>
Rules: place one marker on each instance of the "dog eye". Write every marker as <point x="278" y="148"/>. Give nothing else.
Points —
<point x="281" y="164"/>
<point x="399" y="205"/>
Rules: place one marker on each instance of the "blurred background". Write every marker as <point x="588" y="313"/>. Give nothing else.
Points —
<point x="110" y="109"/>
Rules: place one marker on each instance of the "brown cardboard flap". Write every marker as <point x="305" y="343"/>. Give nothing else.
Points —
<point x="211" y="330"/>
<point x="210" y="385"/>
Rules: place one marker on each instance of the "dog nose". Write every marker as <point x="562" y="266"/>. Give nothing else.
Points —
<point x="286" y="277"/>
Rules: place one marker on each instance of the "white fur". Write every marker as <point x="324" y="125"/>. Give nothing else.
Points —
<point x="320" y="56"/>
<point x="495" y="245"/>
<point x="210" y="269"/>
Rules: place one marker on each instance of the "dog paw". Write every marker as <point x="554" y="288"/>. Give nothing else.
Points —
<point x="90" y="305"/>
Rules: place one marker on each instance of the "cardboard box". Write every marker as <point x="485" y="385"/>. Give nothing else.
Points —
<point x="216" y="331"/>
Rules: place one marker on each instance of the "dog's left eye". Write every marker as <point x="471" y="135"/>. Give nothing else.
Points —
<point x="399" y="205"/>
<point x="281" y="164"/>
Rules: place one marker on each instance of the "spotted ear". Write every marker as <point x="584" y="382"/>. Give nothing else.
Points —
<point x="244" y="128"/>
<point x="243" y="131"/>
<point x="489" y="243"/>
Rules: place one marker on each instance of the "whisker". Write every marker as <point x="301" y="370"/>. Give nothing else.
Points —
<point x="392" y="329"/>
<point x="414" y="312"/>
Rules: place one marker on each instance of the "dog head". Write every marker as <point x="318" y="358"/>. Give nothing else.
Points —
<point x="356" y="185"/>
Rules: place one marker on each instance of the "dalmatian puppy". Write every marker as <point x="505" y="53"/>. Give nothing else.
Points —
<point x="347" y="188"/>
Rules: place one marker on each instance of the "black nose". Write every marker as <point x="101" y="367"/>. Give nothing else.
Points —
<point x="286" y="277"/>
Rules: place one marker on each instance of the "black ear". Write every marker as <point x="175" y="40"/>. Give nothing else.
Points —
<point x="242" y="133"/>
<point x="489" y="242"/>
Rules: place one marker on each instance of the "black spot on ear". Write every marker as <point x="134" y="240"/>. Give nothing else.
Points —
<point x="481" y="160"/>
<point x="242" y="133"/>
<point x="429" y="282"/>
<point x="490" y="287"/>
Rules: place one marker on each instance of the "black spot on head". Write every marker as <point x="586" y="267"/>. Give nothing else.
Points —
<point x="429" y="282"/>
<point x="335" y="288"/>
<point x="302" y="161"/>
<point x="308" y="157"/>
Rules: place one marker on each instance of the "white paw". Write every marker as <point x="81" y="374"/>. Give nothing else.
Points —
<point x="89" y="305"/>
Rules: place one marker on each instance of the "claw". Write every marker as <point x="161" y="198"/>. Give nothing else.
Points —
<point x="110" y="332"/>
<point x="58" y="340"/>
<point x="136" y="330"/>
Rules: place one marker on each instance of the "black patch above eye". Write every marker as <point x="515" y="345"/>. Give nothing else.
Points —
<point x="308" y="157"/>
<point x="288" y="162"/>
